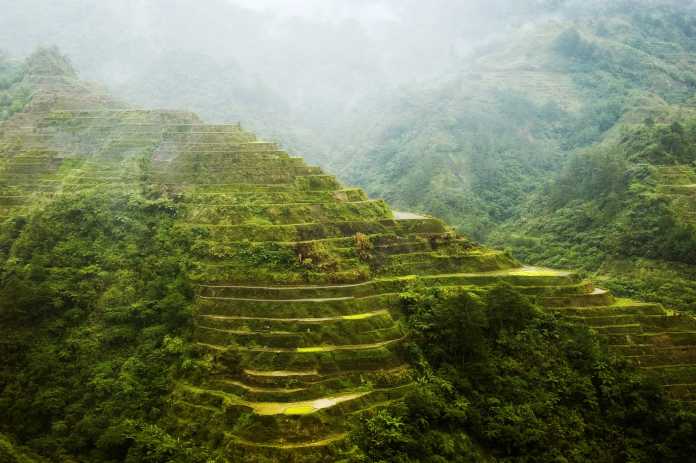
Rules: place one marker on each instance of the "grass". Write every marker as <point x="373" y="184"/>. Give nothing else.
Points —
<point x="299" y="410"/>
<point x="305" y="350"/>
<point x="281" y="373"/>
<point x="363" y="316"/>
<point x="290" y="446"/>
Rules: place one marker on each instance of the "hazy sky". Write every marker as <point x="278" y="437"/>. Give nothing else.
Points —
<point x="325" y="10"/>
<point x="260" y="60"/>
<point x="312" y="59"/>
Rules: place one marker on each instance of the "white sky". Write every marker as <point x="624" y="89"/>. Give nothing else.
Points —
<point x="362" y="10"/>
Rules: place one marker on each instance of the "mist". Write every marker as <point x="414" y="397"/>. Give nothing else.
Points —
<point x="297" y="71"/>
<point x="260" y="61"/>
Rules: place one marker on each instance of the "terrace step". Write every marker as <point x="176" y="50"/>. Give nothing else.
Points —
<point x="381" y="377"/>
<point x="254" y="198"/>
<point x="631" y="349"/>
<point x="672" y="374"/>
<point x="269" y="394"/>
<point x="302" y="332"/>
<point x="299" y="339"/>
<point x="629" y="328"/>
<point x="404" y="247"/>
<point x="302" y="407"/>
<point x="516" y="276"/>
<point x="282" y="374"/>
<point x="282" y="445"/>
<point x="289" y="213"/>
<point x="684" y="391"/>
<point x="295" y="308"/>
<point x="598" y="297"/>
<point x="620" y="308"/>
<point x="668" y="338"/>
<point x="582" y="288"/>
<point x="366" y="288"/>
<point x="316" y="299"/>
<point x="308" y="321"/>
<point x="433" y="263"/>
<point x="610" y="320"/>
<point x="311" y="349"/>
<point x="663" y="356"/>
<point x="314" y="231"/>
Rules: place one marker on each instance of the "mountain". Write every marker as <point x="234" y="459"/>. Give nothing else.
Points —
<point x="472" y="147"/>
<point x="623" y="211"/>
<point x="173" y="290"/>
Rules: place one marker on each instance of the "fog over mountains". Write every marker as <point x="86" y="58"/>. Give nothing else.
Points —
<point x="289" y="69"/>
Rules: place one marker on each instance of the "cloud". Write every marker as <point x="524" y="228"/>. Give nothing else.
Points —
<point x="367" y="11"/>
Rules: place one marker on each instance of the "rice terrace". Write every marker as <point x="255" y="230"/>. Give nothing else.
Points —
<point x="178" y="290"/>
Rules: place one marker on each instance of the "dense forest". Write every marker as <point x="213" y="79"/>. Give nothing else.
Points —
<point x="13" y="96"/>
<point x="501" y="381"/>
<point x="95" y="321"/>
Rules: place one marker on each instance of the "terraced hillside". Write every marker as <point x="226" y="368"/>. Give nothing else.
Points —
<point x="298" y="277"/>
<point x="299" y="280"/>
<point x="678" y="183"/>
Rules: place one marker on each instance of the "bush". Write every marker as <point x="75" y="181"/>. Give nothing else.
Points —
<point x="96" y="321"/>
<point x="572" y="45"/>
<point x="499" y="380"/>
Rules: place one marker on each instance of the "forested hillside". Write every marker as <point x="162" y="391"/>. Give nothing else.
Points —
<point x="176" y="291"/>
<point x="623" y="209"/>
<point x="13" y="96"/>
<point x="474" y="147"/>
<point x="463" y="119"/>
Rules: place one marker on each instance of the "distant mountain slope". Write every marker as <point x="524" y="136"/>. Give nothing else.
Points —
<point x="624" y="210"/>
<point x="471" y="149"/>
<point x="13" y="95"/>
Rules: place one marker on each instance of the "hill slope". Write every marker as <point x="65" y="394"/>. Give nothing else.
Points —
<point x="175" y="290"/>
<point x="623" y="210"/>
<point x="471" y="148"/>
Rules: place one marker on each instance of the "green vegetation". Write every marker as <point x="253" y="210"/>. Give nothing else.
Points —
<point x="13" y="95"/>
<point x="501" y="381"/>
<point x="49" y="62"/>
<point x="478" y="146"/>
<point x="621" y="209"/>
<point x="570" y="143"/>
<point x="95" y="317"/>
<point x="185" y="292"/>
<point x="11" y="454"/>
